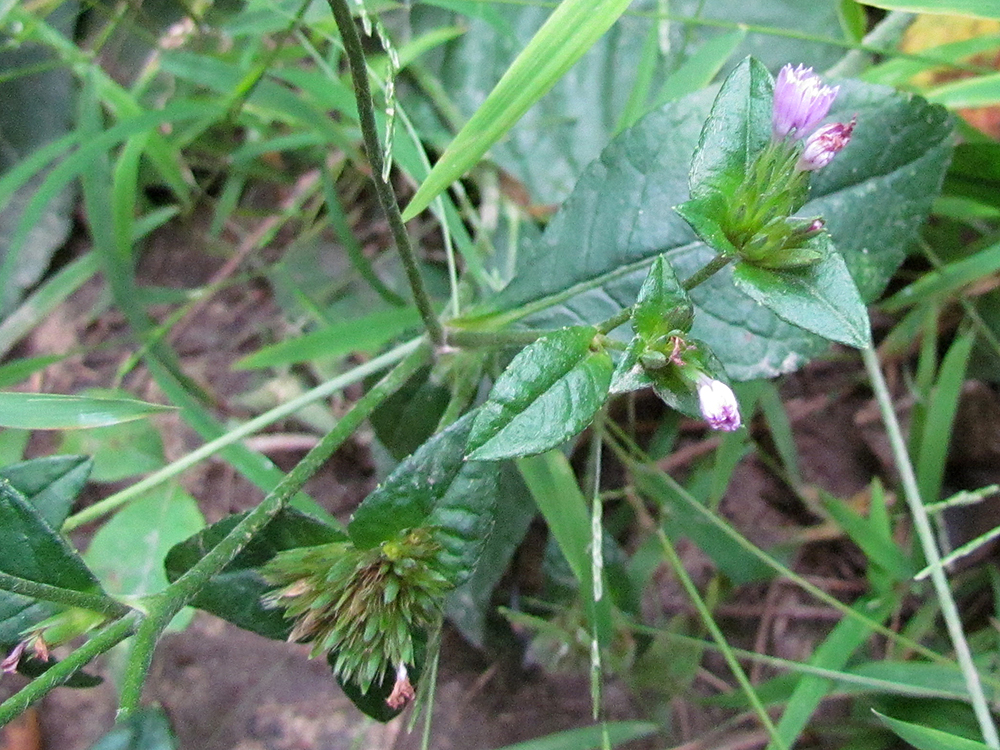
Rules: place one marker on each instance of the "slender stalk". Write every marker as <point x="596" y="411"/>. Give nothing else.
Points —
<point x="928" y="542"/>
<point x="100" y="603"/>
<point x="169" y="602"/>
<point x="708" y="270"/>
<point x="373" y="147"/>
<point x="705" y="615"/>
<point x="60" y="673"/>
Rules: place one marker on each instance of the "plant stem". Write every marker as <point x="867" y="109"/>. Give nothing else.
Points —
<point x="169" y="602"/>
<point x="921" y="521"/>
<point x="60" y="673"/>
<point x="484" y="339"/>
<point x="100" y="603"/>
<point x="323" y="390"/>
<point x="708" y="270"/>
<point x="373" y="147"/>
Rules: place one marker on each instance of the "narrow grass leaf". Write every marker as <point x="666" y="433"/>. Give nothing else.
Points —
<point x="50" y="411"/>
<point x="570" y="31"/>
<point x="552" y="484"/>
<point x="981" y="91"/>
<point x="940" y="417"/>
<point x="700" y="68"/>
<point x="847" y="637"/>
<point x="978" y="8"/>
<point x="365" y="334"/>
<point x="925" y="738"/>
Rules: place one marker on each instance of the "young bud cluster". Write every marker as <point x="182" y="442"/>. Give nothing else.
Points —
<point x="759" y="224"/>
<point x="364" y="606"/>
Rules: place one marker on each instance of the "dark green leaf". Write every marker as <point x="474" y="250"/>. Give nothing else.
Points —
<point x="630" y="373"/>
<point x="736" y="131"/>
<point x="410" y="415"/>
<point x="595" y="253"/>
<point x="50" y="484"/>
<point x="468" y="606"/>
<point x="550" y="391"/>
<point x="433" y="487"/>
<point x="148" y="729"/>
<point x="235" y="593"/>
<point x="663" y="306"/>
<point x="34" y="550"/>
<point x="820" y="298"/>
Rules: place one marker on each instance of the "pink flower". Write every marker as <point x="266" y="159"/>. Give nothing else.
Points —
<point x="801" y="100"/>
<point x="718" y="404"/>
<point x="825" y="144"/>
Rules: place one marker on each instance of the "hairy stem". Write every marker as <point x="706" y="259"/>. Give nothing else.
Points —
<point x="928" y="543"/>
<point x="60" y="673"/>
<point x="708" y="270"/>
<point x="373" y="147"/>
<point x="100" y="603"/>
<point x="169" y="602"/>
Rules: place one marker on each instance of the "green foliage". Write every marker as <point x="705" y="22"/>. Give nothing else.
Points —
<point x="549" y="392"/>
<point x="688" y="249"/>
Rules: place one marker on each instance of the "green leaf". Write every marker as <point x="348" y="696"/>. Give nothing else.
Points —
<point x="977" y="8"/>
<point x="127" y="552"/>
<point x="981" y="91"/>
<point x="434" y="487"/>
<point x="925" y="738"/>
<point x="34" y="550"/>
<point x="571" y="29"/>
<point x="50" y="411"/>
<point x="663" y="306"/>
<point x="235" y="593"/>
<point x="821" y="298"/>
<point x="469" y="605"/>
<point x="147" y="729"/>
<point x="50" y="484"/>
<point x="595" y="253"/>
<point x="549" y="392"/>
<point x="736" y="131"/>
<point x="410" y="415"/>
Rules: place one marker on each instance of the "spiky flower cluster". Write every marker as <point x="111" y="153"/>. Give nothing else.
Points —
<point x="760" y="225"/>
<point x="361" y="605"/>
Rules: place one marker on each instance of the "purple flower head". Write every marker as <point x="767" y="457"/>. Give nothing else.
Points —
<point x="801" y="100"/>
<point x="825" y="144"/>
<point x="718" y="404"/>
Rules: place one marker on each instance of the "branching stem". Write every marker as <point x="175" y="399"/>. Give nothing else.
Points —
<point x="169" y="602"/>
<point x="60" y="673"/>
<point x="100" y="603"/>
<point x="373" y="147"/>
